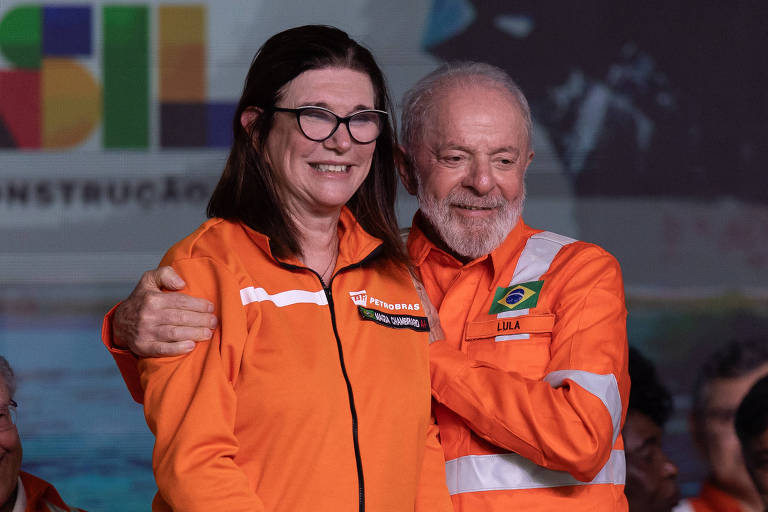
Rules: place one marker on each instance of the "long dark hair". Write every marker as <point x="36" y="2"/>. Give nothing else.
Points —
<point x="250" y="191"/>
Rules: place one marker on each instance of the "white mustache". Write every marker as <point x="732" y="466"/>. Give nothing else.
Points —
<point x="470" y="201"/>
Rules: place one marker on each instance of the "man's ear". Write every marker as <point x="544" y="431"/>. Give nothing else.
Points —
<point x="528" y="161"/>
<point x="405" y="169"/>
<point x="248" y="119"/>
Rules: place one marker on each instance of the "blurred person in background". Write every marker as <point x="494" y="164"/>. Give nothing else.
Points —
<point x="19" y="491"/>
<point x="723" y="381"/>
<point x="752" y="429"/>
<point x="651" y="484"/>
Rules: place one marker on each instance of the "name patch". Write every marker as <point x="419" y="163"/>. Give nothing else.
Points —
<point x="541" y="323"/>
<point x="416" y="323"/>
<point x="519" y="296"/>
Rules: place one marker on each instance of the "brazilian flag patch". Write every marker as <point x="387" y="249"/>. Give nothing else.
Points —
<point x="519" y="296"/>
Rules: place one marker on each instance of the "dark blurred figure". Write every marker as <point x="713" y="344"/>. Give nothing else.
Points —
<point x="651" y="477"/>
<point x="723" y="381"/>
<point x="19" y="491"/>
<point x="752" y="429"/>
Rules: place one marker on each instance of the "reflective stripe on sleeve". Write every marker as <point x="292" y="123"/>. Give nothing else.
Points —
<point x="603" y="387"/>
<point x="286" y="298"/>
<point x="534" y="261"/>
<point x="510" y="471"/>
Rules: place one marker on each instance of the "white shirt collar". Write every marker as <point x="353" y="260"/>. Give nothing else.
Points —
<point x="21" y="499"/>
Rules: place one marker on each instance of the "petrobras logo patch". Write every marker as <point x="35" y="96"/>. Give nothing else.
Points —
<point x="361" y="298"/>
<point x="132" y="76"/>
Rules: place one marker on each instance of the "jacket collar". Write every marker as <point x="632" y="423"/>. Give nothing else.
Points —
<point x="355" y="244"/>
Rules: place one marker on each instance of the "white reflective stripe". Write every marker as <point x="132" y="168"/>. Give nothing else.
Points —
<point x="537" y="256"/>
<point x="510" y="471"/>
<point x="603" y="387"/>
<point x="534" y="261"/>
<point x="684" y="506"/>
<point x="512" y="314"/>
<point x="510" y="337"/>
<point x="286" y="298"/>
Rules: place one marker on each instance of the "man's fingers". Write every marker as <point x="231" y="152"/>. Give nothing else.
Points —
<point x="162" y="278"/>
<point x="174" y="333"/>
<point x="180" y="301"/>
<point x="163" y="349"/>
<point x="185" y="318"/>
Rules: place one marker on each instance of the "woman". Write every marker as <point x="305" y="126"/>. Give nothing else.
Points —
<point x="314" y="391"/>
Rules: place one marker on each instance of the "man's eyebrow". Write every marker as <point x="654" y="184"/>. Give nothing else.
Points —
<point x="506" y="149"/>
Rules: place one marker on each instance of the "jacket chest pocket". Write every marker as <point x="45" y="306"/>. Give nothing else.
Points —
<point x="518" y="344"/>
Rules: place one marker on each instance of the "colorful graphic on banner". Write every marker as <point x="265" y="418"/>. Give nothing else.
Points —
<point x="51" y="100"/>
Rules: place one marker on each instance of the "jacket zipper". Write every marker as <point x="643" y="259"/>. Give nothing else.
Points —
<point x="353" y="410"/>
<point x="350" y="394"/>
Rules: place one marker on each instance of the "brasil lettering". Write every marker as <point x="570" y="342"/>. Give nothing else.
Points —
<point x="416" y="323"/>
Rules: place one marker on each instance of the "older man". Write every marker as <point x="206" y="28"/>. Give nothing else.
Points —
<point x="531" y="379"/>
<point x="19" y="491"/>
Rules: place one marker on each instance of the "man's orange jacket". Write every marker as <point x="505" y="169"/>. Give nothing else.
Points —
<point x="531" y="382"/>
<point x="307" y="397"/>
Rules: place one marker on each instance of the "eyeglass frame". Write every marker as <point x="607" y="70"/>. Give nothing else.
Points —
<point x="11" y="406"/>
<point x="339" y="120"/>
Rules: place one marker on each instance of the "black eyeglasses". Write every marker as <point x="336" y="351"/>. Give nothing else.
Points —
<point x="318" y="123"/>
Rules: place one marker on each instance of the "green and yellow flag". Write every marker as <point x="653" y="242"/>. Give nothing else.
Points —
<point x="519" y="296"/>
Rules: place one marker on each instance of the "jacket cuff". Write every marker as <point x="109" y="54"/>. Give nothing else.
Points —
<point x="445" y="363"/>
<point x="125" y="359"/>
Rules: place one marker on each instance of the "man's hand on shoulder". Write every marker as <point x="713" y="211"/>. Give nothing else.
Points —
<point x="152" y="322"/>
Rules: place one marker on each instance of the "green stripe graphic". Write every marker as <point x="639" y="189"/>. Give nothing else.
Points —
<point x="126" y="77"/>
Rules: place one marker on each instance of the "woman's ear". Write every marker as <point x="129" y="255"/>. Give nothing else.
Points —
<point x="248" y="119"/>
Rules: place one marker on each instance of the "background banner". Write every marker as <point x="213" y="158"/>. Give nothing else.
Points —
<point x="115" y="121"/>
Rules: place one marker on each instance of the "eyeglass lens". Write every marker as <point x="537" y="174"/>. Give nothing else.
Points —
<point x="318" y="124"/>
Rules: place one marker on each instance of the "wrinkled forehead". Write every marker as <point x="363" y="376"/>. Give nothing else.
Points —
<point x="450" y="102"/>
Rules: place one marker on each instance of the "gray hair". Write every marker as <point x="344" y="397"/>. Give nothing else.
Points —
<point x="8" y="377"/>
<point x="419" y="99"/>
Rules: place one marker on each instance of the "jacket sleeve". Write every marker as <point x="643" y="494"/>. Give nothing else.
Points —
<point x="126" y="362"/>
<point x="190" y="405"/>
<point x="569" y="420"/>
<point x="432" y="494"/>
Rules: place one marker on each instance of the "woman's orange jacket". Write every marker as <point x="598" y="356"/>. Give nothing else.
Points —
<point x="306" y="398"/>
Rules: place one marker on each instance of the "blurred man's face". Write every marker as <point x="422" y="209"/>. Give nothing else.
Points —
<point x="756" y="458"/>
<point x="715" y="433"/>
<point x="10" y="455"/>
<point x="469" y="167"/>
<point x="651" y="477"/>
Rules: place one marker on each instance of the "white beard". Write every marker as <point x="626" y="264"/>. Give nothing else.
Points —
<point x="466" y="236"/>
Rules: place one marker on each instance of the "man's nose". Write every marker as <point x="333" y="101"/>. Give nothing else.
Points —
<point x="670" y="468"/>
<point x="340" y="141"/>
<point x="480" y="177"/>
